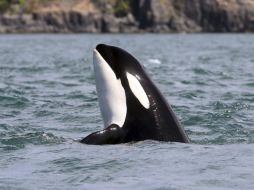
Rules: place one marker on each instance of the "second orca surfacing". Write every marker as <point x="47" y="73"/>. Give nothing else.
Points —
<point x="132" y="107"/>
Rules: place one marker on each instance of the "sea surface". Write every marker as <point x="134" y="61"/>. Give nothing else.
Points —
<point x="48" y="102"/>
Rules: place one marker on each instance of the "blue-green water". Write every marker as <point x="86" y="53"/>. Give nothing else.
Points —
<point x="48" y="101"/>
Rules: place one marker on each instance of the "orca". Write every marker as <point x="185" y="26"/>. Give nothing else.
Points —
<point x="132" y="107"/>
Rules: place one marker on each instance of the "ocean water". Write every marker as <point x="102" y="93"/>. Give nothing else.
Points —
<point x="48" y="102"/>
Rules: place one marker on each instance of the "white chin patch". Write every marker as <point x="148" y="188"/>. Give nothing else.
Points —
<point x="111" y="94"/>
<point x="138" y="90"/>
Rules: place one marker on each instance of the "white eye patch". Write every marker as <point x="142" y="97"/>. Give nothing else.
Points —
<point x="138" y="90"/>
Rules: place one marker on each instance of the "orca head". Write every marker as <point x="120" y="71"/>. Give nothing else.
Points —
<point x="118" y="74"/>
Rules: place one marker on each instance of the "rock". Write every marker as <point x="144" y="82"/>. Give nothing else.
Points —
<point x="11" y="20"/>
<point x="72" y="21"/>
<point x="109" y="24"/>
<point x="143" y="16"/>
<point x="128" y="24"/>
<point x="196" y="15"/>
<point x="83" y="22"/>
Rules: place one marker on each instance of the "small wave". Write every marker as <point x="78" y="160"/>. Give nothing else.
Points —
<point x="189" y="95"/>
<point x="251" y="84"/>
<point x="200" y="71"/>
<point x="37" y="138"/>
<point x="13" y="101"/>
<point x="154" y="61"/>
<point x="235" y="106"/>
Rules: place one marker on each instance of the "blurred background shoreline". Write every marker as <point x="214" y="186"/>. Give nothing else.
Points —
<point x="126" y="16"/>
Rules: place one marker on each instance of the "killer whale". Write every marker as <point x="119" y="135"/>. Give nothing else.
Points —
<point x="132" y="107"/>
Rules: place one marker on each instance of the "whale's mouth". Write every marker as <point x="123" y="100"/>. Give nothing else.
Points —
<point x="108" y="55"/>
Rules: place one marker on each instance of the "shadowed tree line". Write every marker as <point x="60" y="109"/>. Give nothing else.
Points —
<point x="121" y="7"/>
<point x="20" y="6"/>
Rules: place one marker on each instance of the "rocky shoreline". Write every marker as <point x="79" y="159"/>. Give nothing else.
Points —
<point x="162" y="16"/>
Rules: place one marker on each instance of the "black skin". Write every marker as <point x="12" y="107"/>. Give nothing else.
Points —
<point x="110" y="135"/>
<point x="156" y="123"/>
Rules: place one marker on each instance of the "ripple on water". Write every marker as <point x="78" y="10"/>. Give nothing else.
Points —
<point x="19" y="141"/>
<point x="233" y="106"/>
<point x="248" y="97"/>
<point x="48" y="96"/>
<point x="13" y="102"/>
<point x="200" y="71"/>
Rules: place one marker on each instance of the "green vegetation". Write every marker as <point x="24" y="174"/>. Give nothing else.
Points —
<point x="119" y="7"/>
<point x="122" y="7"/>
<point x="17" y="6"/>
<point x="4" y="5"/>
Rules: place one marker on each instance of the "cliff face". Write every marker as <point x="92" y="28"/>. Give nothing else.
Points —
<point x="197" y="15"/>
<point x="134" y="16"/>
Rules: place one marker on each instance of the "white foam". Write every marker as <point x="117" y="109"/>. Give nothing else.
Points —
<point x="154" y="61"/>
